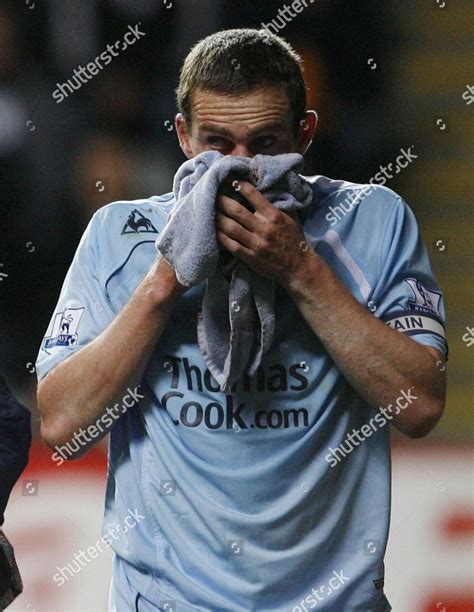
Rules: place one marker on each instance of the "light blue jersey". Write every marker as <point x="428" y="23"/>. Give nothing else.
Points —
<point x="263" y="498"/>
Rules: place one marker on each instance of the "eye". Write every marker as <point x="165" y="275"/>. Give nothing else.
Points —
<point x="266" y="142"/>
<point x="216" y="141"/>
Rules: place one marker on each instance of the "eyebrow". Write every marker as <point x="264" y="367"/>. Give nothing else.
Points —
<point x="206" y="127"/>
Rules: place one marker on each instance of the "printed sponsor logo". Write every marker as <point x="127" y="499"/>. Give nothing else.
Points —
<point x="228" y="413"/>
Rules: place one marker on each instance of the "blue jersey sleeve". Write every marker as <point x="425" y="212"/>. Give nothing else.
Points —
<point x="407" y="296"/>
<point x="83" y="310"/>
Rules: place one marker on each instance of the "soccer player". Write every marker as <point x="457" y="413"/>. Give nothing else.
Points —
<point x="275" y="496"/>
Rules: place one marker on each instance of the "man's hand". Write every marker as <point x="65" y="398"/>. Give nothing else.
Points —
<point x="377" y="361"/>
<point x="268" y="240"/>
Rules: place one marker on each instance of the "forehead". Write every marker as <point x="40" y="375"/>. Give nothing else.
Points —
<point x="247" y="112"/>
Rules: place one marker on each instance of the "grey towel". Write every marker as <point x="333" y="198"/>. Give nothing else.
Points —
<point x="236" y="323"/>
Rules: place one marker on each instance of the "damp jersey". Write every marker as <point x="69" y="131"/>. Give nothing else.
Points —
<point x="252" y="500"/>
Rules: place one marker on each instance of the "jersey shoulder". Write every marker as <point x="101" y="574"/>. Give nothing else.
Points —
<point x="338" y="200"/>
<point x="134" y="218"/>
<point x="118" y="228"/>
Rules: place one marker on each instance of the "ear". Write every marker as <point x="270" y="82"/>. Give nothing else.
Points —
<point x="183" y="135"/>
<point x="306" y="131"/>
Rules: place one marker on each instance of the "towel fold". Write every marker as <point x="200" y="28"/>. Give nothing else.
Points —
<point x="236" y="322"/>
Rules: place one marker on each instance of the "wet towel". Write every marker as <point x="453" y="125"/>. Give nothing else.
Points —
<point x="236" y="323"/>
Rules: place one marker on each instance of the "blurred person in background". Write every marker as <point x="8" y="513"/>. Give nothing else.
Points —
<point x="15" y="440"/>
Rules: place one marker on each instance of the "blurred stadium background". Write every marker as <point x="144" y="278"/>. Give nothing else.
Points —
<point x="382" y="76"/>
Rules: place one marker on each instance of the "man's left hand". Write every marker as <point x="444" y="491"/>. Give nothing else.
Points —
<point x="269" y="240"/>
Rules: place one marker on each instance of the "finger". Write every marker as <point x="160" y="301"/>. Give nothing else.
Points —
<point x="234" y="230"/>
<point x="235" y="210"/>
<point x="233" y="246"/>
<point x="253" y="195"/>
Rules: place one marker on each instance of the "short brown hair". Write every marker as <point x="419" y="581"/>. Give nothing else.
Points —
<point x="240" y="60"/>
